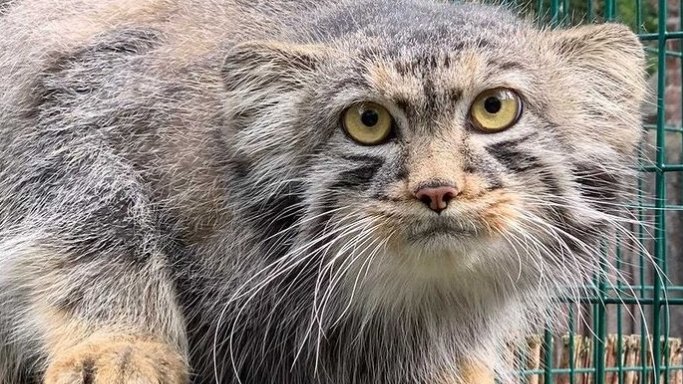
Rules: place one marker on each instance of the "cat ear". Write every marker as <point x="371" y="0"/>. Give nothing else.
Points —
<point x="606" y="64"/>
<point x="270" y="64"/>
<point x="609" y="54"/>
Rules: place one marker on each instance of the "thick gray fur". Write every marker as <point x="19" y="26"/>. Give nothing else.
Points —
<point x="176" y="169"/>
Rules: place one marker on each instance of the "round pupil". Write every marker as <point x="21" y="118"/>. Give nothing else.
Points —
<point x="369" y="118"/>
<point x="492" y="104"/>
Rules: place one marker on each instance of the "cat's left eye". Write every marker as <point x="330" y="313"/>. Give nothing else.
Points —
<point x="496" y="110"/>
<point x="368" y="123"/>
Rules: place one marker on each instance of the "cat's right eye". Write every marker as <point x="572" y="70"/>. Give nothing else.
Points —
<point x="496" y="110"/>
<point x="368" y="123"/>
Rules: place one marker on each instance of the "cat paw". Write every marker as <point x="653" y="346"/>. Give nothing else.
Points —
<point x="118" y="362"/>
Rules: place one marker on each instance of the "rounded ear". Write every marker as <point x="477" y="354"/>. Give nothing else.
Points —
<point x="264" y="63"/>
<point x="610" y="52"/>
<point x="605" y="65"/>
<point x="263" y="81"/>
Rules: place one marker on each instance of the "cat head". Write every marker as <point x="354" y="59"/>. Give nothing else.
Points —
<point x="426" y="148"/>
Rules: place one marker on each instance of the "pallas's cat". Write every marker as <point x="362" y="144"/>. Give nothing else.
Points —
<point x="332" y="191"/>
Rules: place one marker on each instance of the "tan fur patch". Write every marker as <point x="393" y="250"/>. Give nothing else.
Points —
<point x="79" y="28"/>
<point x="476" y="373"/>
<point x="436" y="160"/>
<point x="472" y="186"/>
<point x="71" y="343"/>
<point x="384" y="77"/>
<point x="500" y="212"/>
<point x="471" y="66"/>
<point x="470" y="372"/>
<point x="498" y="205"/>
<point x="106" y="359"/>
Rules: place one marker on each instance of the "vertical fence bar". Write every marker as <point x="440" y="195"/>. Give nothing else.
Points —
<point x="548" y="355"/>
<point x="660" y="191"/>
<point x="572" y="346"/>
<point x="554" y="12"/>
<point x="620" y="327"/>
<point x="610" y="9"/>
<point x="599" y="325"/>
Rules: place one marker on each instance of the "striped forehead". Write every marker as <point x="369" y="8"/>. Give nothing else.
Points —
<point x="433" y="84"/>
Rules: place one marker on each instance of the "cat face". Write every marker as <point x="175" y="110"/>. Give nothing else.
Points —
<point x="465" y="149"/>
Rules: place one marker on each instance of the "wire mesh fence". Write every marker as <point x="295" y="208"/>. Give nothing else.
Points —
<point x="628" y="326"/>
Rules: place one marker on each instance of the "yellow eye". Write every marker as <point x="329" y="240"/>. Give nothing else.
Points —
<point x="368" y="123"/>
<point x="496" y="110"/>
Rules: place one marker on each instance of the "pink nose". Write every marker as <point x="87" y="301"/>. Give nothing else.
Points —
<point x="436" y="198"/>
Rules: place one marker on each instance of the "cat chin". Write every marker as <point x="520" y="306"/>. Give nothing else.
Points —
<point x="439" y="244"/>
<point x="460" y="246"/>
<point x="436" y="258"/>
<point x="441" y="267"/>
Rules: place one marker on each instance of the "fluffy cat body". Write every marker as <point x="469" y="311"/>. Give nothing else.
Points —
<point x="178" y="201"/>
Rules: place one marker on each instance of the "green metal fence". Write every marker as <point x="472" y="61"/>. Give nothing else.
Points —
<point x="628" y="329"/>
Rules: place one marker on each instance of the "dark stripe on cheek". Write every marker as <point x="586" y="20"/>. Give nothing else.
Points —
<point x="550" y="182"/>
<point x="596" y="184"/>
<point x="275" y="220"/>
<point x="361" y="175"/>
<point x="401" y="171"/>
<point x="512" y="157"/>
<point x="398" y="172"/>
<point x="519" y="160"/>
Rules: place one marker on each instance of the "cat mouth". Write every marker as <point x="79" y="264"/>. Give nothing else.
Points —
<point x="442" y="230"/>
